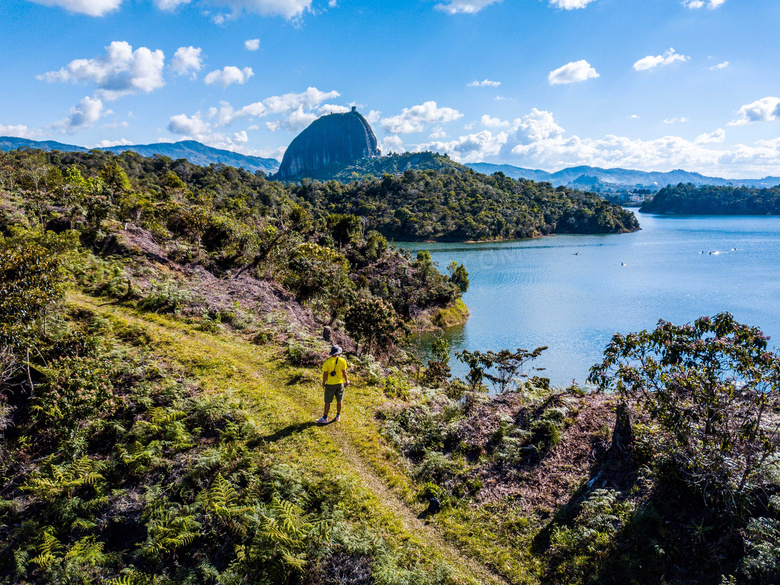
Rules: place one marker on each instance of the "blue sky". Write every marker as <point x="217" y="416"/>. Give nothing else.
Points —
<point x="650" y="85"/>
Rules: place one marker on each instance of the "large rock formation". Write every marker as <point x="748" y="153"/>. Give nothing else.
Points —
<point x="332" y="139"/>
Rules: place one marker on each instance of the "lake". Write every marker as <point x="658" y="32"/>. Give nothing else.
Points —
<point x="572" y="293"/>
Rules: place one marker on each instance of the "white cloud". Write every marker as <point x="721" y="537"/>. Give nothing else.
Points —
<point x="120" y="72"/>
<point x="464" y="6"/>
<point x="18" y="130"/>
<point x="311" y="97"/>
<point x="633" y="117"/>
<point x="374" y="116"/>
<point x="570" y="4"/>
<point x="471" y="148"/>
<point x="189" y="126"/>
<point x="651" y="62"/>
<point x="438" y="133"/>
<point x="573" y="72"/>
<point x="536" y="126"/>
<point x="287" y="8"/>
<point x="196" y="128"/>
<point x="110" y="143"/>
<point x="722" y="65"/>
<point x="333" y="109"/>
<point x="483" y="83"/>
<point x="170" y="5"/>
<point x="680" y="120"/>
<point x="84" y="115"/>
<point x="764" y="110"/>
<point x="416" y="118"/>
<point x="187" y="61"/>
<point x="229" y="75"/>
<point x="391" y="144"/>
<point x="489" y="122"/>
<point x="252" y="44"/>
<point x="296" y="120"/>
<point x="711" y="4"/>
<point x="88" y="7"/>
<point x="712" y="138"/>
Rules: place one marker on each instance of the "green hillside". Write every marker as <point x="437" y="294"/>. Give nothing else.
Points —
<point x="162" y="329"/>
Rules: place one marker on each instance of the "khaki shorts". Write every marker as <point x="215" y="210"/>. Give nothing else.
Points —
<point x="334" y="390"/>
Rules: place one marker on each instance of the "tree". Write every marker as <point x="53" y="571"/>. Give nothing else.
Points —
<point x="458" y="276"/>
<point x="372" y="322"/>
<point x="714" y="390"/>
<point x="508" y="366"/>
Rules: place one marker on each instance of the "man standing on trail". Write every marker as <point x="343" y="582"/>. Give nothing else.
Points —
<point x="334" y="379"/>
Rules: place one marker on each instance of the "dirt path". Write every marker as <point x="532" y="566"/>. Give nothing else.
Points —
<point x="424" y="531"/>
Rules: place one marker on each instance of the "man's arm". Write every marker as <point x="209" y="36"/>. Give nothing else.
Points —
<point x="346" y="378"/>
<point x="324" y="377"/>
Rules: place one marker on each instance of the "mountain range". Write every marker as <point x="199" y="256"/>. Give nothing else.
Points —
<point x="595" y="178"/>
<point x="193" y="151"/>
<point x="580" y="177"/>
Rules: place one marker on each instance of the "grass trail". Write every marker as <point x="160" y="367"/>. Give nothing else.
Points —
<point x="284" y="402"/>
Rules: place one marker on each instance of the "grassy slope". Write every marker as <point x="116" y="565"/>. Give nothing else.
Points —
<point x="285" y="412"/>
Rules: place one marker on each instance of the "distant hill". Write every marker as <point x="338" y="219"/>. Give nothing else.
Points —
<point x="576" y="177"/>
<point x="330" y="140"/>
<point x="193" y="151"/>
<point x="687" y="199"/>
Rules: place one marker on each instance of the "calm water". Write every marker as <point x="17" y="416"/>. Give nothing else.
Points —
<point x="572" y="293"/>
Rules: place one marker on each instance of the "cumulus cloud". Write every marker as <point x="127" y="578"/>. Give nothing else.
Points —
<point x="252" y="44"/>
<point x="573" y="72"/>
<point x="169" y="5"/>
<point x="437" y="133"/>
<point x="489" y="122"/>
<point x="570" y="4"/>
<point x="229" y="75"/>
<point x="764" y="110"/>
<point x="196" y="128"/>
<point x="187" y="61"/>
<point x="651" y="62"/>
<point x="470" y="148"/>
<point x="88" y="7"/>
<point x="391" y="144"/>
<point x="295" y="121"/>
<point x="464" y="6"/>
<point x="711" y="4"/>
<point x="189" y="126"/>
<point x="84" y="115"/>
<point x="333" y="109"/>
<point x="417" y="118"/>
<point x="18" y="130"/>
<point x="110" y="143"/>
<point x="297" y="110"/>
<point x="121" y="71"/>
<point x="722" y="65"/>
<point x="286" y="8"/>
<point x="712" y="138"/>
<point x="374" y="116"/>
<point x="680" y="120"/>
<point x="483" y="83"/>
<point x="536" y="140"/>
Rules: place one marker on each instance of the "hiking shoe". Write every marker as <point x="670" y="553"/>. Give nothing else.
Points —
<point x="338" y="418"/>
<point x="323" y="420"/>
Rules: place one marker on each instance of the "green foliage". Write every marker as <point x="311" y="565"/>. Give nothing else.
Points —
<point x="711" y="200"/>
<point x="710" y="386"/>
<point x="77" y="392"/>
<point x="372" y="322"/>
<point x="458" y="276"/>
<point x="32" y="279"/>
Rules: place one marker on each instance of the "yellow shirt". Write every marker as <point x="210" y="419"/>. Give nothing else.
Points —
<point x="337" y="364"/>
